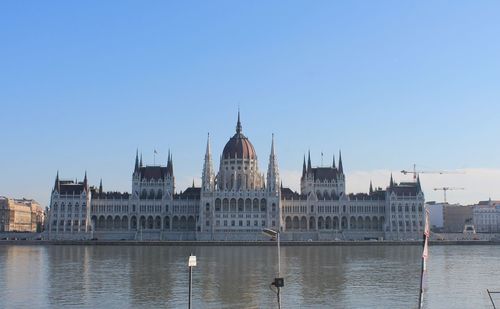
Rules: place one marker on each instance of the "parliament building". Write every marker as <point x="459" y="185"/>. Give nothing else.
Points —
<point x="236" y="203"/>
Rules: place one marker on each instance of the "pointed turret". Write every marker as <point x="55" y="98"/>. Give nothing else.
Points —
<point x="140" y="163"/>
<point x="238" y="124"/>
<point x="136" y="168"/>
<point x="419" y="187"/>
<point x="85" y="181"/>
<point x="56" y="184"/>
<point x="371" y="187"/>
<point x="333" y="162"/>
<point x="391" y="184"/>
<point x="100" y="186"/>
<point x="207" y="177"/>
<point x="309" y="167"/>
<point x="272" y="170"/>
<point x="170" y="165"/>
<point x="304" y="171"/>
<point x="341" y="167"/>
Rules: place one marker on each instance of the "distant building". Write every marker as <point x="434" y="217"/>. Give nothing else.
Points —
<point x="455" y="217"/>
<point x="435" y="214"/>
<point x="236" y="202"/>
<point x="486" y="216"/>
<point x="20" y="215"/>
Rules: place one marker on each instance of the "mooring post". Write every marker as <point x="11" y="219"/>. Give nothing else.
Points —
<point x="191" y="264"/>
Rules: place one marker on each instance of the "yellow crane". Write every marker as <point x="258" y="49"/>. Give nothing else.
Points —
<point x="444" y="189"/>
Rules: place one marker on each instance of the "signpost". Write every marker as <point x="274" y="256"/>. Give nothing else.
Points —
<point x="191" y="264"/>
<point x="278" y="282"/>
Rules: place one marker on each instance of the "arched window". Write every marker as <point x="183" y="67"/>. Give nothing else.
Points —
<point x="248" y="205"/>
<point x="241" y="205"/>
<point x="263" y="204"/>
<point x="238" y="185"/>
<point x="255" y="205"/>
<point x="217" y="204"/>
<point x="225" y="204"/>
<point x="233" y="205"/>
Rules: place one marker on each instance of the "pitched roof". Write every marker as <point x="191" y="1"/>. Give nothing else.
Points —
<point x="325" y="173"/>
<point x="404" y="188"/>
<point x="288" y="194"/>
<point x="191" y="193"/>
<point x="70" y="187"/>
<point x="153" y="172"/>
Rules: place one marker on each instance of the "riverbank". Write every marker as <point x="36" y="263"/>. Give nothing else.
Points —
<point x="240" y="243"/>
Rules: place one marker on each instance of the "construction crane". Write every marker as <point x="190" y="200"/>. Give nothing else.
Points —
<point x="415" y="172"/>
<point x="444" y="189"/>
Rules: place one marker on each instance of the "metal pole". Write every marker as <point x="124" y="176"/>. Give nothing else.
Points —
<point x="190" y="283"/>
<point x="279" y="259"/>
<point x="421" y="294"/>
<point x="279" y="270"/>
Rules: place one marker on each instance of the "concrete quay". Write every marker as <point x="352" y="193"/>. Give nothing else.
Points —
<point x="242" y="243"/>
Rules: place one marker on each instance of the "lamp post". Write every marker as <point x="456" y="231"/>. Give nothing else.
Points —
<point x="191" y="264"/>
<point x="278" y="282"/>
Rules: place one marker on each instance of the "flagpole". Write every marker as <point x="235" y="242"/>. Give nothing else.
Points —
<point x="422" y="266"/>
<point x="425" y="253"/>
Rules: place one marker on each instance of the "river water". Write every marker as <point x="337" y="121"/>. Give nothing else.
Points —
<point x="239" y="277"/>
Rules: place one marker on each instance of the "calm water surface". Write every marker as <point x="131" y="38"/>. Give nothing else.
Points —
<point x="239" y="277"/>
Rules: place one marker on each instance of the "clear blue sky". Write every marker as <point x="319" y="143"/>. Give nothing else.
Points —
<point x="391" y="83"/>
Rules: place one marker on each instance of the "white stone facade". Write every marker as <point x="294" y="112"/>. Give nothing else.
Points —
<point x="486" y="217"/>
<point x="235" y="204"/>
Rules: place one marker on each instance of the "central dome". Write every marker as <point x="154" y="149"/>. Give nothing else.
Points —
<point x="239" y="146"/>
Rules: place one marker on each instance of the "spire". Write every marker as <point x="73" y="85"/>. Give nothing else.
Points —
<point x="170" y="164"/>
<point x="140" y="164"/>
<point x="136" y="168"/>
<point x="391" y="184"/>
<point x="304" y="167"/>
<point x="208" y="151"/>
<point x="419" y="187"/>
<point x="371" y="187"/>
<point x="272" y="145"/>
<point x="85" y="181"/>
<point x="56" y="184"/>
<point x="272" y="170"/>
<point x="193" y="183"/>
<point x="333" y="164"/>
<point x="309" y="161"/>
<point x="341" y="167"/>
<point x="100" y="187"/>
<point x="238" y="124"/>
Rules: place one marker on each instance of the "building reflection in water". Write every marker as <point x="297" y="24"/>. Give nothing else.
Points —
<point x="225" y="277"/>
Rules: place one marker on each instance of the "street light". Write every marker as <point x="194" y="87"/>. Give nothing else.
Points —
<point x="278" y="282"/>
<point x="191" y="264"/>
